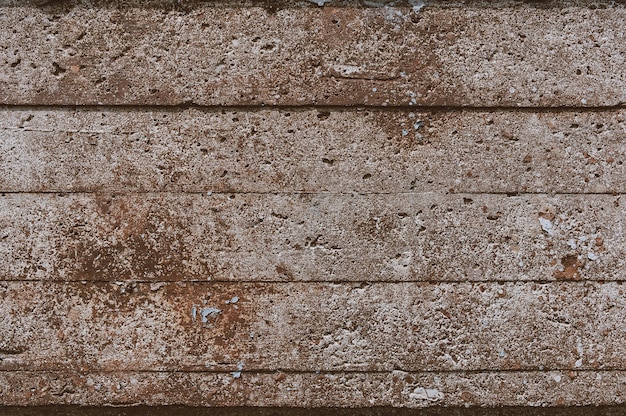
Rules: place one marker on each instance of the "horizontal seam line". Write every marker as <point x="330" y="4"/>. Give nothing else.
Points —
<point x="304" y="107"/>
<point x="304" y="282"/>
<point x="432" y="5"/>
<point x="208" y="192"/>
<point x="320" y="372"/>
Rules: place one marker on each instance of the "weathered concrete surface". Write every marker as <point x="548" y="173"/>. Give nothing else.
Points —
<point x="470" y="54"/>
<point x="397" y="389"/>
<point x="311" y="150"/>
<point x="312" y="255"/>
<point x="436" y="327"/>
<point x="263" y="237"/>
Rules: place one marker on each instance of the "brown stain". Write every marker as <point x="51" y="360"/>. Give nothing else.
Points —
<point x="376" y="227"/>
<point x="392" y="124"/>
<point x="425" y="69"/>
<point x="97" y="263"/>
<point x="336" y="26"/>
<point x="226" y="338"/>
<point x="547" y="215"/>
<point x="283" y="270"/>
<point x="600" y="247"/>
<point x="69" y="91"/>
<point x="103" y="203"/>
<point x="467" y="397"/>
<point x="395" y="76"/>
<point x="232" y="331"/>
<point x="571" y="268"/>
<point x="117" y="88"/>
<point x="133" y="238"/>
<point x="507" y="134"/>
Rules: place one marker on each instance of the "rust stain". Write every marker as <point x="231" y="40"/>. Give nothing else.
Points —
<point x="283" y="270"/>
<point x="403" y="131"/>
<point x="547" y="215"/>
<point x="571" y="268"/>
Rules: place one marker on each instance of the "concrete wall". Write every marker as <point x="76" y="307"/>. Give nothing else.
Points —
<point x="259" y="203"/>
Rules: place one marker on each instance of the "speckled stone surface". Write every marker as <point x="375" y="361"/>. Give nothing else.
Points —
<point x="262" y="237"/>
<point x="337" y="150"/>
<point x="307" y="327"/>
<point x="502" y="53"/>
<point x="388" y="389"/>
<point x="244" y="204"/>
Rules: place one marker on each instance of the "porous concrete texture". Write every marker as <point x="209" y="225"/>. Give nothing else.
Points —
<point x="370" y="205"/>
<point x="431" y="327"/>
<point x="312" y="150"/>
<point x="319" y="237"/>
<point x="480" y="53"/>
<point x="300" y="389"/>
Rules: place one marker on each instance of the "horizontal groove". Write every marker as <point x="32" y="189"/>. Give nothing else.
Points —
<point x="209" y="193"/>
<point x="306" y="282"/>
<point x="306" y="107"/>
<point x="313" y="372"/>
<point x="274" y="5"/>
<point x="339" y="4"/>
<point x="297" y="409"/>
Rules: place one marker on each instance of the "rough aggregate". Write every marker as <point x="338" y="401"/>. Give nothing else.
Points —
<point x="311" y="237"/>
<point x="239" y="203"/>
<point x="510" y="54"/>
<point x="311" y="150"/>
